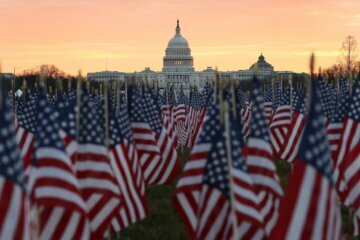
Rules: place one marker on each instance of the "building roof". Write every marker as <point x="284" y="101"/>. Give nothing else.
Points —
<point x="261" y="64"/>
<point x="178" y="41"/>
<point x="7" y="75"/>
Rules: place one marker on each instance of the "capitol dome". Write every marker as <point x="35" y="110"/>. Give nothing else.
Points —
<point x="178" y="54"/>
<point x="262" y="65"/>
<point x="178" y="41"/>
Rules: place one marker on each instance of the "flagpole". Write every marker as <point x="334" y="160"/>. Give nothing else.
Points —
<point x="13" y="92"/>
<point x="167" y="94"/>
<point x="272" y="88"/>
<point x="291" y="94"/>
<point x="337" y="79"/>
<point x="309" y="87"/>
<point x="350" y="83"/>
<point x="106" y="108"/>
<point x="78" y="104"/>
<point x="24" y="86"/>
<point x="233" y="99"/>
<point x="216" y="84"/>
<point x="229" y="161"/>
<point x="1" y="84"/>
<point x="117" y="95"/>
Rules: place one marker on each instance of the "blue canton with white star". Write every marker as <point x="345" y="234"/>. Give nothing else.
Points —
<point x="11" y="166"/>
<point x="314" y="147"/>
<point x="259" y="128"/>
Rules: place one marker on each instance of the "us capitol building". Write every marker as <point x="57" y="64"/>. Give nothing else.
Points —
<point x="178" y="69"/>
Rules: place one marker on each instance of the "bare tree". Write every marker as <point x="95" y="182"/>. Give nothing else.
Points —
<point x="348" y="50"/>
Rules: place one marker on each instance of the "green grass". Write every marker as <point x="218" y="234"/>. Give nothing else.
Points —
<point x="164" y="223"/>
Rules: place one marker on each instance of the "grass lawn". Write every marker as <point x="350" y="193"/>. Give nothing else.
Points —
<point x="164" y="223"/>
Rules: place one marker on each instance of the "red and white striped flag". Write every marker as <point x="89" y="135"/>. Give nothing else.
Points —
<point x="187" y="193"/>
<point x="293" y="137"/>
<point x="310" y="208"/>
<point x="180" y="118"/>
<point x="260" y="163"/>
<point x="145" y="143"/>
<point x="125" y="163"/>
<point x="195" y="118"/>
<point x="53" y="187"/>
<point x="348" y="160"/>
<point x="245" y="114"/>
<point x="279" y="125"/>
<point x="14" y="222"/>
<point x="97" y="180"/>
<point x="228" y="206"/>
<point x="170" y="163"/>
<point x="25" y="130"/>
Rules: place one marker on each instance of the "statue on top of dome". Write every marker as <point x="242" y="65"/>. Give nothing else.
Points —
<point x="178" y="28"/>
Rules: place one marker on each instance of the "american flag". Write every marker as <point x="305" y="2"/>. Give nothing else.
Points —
<point x="207" y="95"/>
<point x="170" y="101"/>
<point x="25" y="131"/>
<point x="180" y="117"/>
<point x="277" y="96"/>
<point x="279" y="125"/>
<point x="19" y="104"/>
<point x="160" y="100"/>
<point x="145" y="143"/>
<point x="99" y="187"/>
<point x="245" y="111"/>
<point x="13" y="200"/>
<point x="268" y="104"/>
<point x="67" y="109"/>
<point x="170" y="164"/>
<point x="310" y="208"/>
<point x="336" y="125"/>
<point x="328" y="100"/>
<point x="195" y="118"/>
<point x="349" y="153"/>
<point x="53" y="186"/>
<point x="167" y="113"/>
<point x="168" y="121"/>
<point x="261" y="166"/>
<point x="296" y="127"/>
<point x="228" y="205"/>
<point x="126" y="165"/>
<point x="187" y="193"/>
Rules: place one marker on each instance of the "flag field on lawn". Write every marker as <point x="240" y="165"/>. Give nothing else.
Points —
<point x="81" y="165"/>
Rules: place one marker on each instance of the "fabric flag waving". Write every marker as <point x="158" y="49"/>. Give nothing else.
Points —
<point x="180" y="116"/>
<point x="228" y="206"/>
<point x="279" y="126"/>
<point x="310" y="207"/>
<point x="260" y="163"/>
<point x="126" y="165"/>
<point x="170" y="164"/>
<point x="195" y="118"/>
<point x="54" y="189"/>
<point x="349" y="153"/>
<point x="98" y="185"/>
<point x="25" y="131"/>
<point x="186" y="197"/>
<point x="149" y="152"/>
<point x="296" y="128"/>
<point x="13" y="201"/>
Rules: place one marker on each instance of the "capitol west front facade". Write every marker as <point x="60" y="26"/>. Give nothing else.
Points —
<point x="178" y="69"/>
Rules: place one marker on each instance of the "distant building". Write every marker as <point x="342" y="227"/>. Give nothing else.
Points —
<point x="7" y="75"/>
<point x="178" y="69"/>
<point x="106" y="75"/>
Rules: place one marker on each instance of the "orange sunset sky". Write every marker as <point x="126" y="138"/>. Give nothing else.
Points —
<point x="131" y="35"/>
